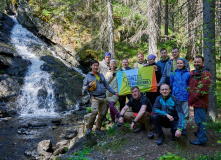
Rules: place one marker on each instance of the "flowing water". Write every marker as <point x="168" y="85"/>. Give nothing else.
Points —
<point x="37" y="95"/>
<point x="36" y="102"/>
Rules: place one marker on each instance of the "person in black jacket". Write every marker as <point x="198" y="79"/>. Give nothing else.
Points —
<point x="151" y="62"/>
<point x="138" y="115"/>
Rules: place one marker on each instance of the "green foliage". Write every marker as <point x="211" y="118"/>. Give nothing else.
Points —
<point x="111" y="130"/>
<point x="88" y="109"/>
<point x="170" y="156"/>
<point x="216" y="126"/>
<point x="80" y="155"/>
<point x="216" y="156"/>
<point x="218" y="92"/>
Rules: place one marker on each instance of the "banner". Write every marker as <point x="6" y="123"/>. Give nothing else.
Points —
<point x="144" y="78"/>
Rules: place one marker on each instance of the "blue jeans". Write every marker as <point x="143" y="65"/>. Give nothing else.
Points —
<point x="200" y="119"/>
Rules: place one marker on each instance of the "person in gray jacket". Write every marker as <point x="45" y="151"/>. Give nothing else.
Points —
<point x="96" y="84"/>
<point x="171" y="66"/>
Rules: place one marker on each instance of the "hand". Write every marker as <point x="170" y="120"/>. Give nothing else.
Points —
<point x="146" y="65"/>
<point x="121" y="120"/>
<point x="170" y="117"/>
<point x="116" y="94"/>
<point x="155" y="67"/>
<point x="91" y="84"/>
<point x="178" y="133"/>
<point x="132" y="126"/>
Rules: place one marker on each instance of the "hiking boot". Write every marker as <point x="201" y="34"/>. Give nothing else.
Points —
<point x="161" y="138"/>
<point x="196" y="134"/>
<point x="197" y="142"/>
<point x="88" y="132"/>
<point x="150" y="135"/>
<point x="98" y="132"/>
<point x="184" y="133"/>
<point x="137" y="129"/>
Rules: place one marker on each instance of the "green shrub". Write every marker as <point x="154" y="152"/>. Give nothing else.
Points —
<point x="88" y="109"/>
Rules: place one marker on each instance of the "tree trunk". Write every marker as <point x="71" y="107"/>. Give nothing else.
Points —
<point x="152" y="26"/>
<point x="191" y="50"/>
<point x="209" y="51"/>
<point x="166" y="17"/>
<point x="110" y="28"/>
<point x="159" y="19"/>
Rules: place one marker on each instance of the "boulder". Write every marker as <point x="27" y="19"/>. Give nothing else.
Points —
<point x="84" y="99"/>
<point x="61" y="147"/>
<point x="44" y="146"/>
<point x="79" y="145"/>
<point x="3" y="112"/>
<point x="69" y="134"/>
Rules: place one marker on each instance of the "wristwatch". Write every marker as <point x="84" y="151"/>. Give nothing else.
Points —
<point x="133" y="121"/>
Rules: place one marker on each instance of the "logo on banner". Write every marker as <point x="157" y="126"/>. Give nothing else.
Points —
<point x="136" y="80"/>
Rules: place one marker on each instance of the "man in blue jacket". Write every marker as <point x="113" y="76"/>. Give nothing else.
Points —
<point x="97" y="85"/>
<point x="171" y="66"/>
<point x="167" y="112"/>
<point x="164" y="58"/>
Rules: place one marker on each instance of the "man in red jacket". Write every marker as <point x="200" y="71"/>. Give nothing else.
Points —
<point x="199" y="98"/>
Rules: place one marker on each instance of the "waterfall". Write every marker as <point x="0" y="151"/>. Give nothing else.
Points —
<point x="36" y="96"/>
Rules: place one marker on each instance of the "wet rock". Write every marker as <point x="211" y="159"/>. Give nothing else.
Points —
<point x="32" y="152"/>
<point x="3" y="112"/>
<point x="44" y="146"/>
<point x="37" y="125"/>
<point x="23" y="131"/>
<point x="6" y="52"/>
<point x="69" y="134"/>
<point x="45" y="67"/>
<point x="61" y="147"/>
<point x="84" y="100"/>
<point x="80" y="112"/>
<point x="1" y="15"/>
<point x="56" y="122"/>
<point x="86" y="117"/>
<point x="1" y="25"/>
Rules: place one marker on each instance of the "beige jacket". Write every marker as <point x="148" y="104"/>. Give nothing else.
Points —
<point x="138" y="64"/>
<point x="103" y="67"/>
<point x="112" y="81"/>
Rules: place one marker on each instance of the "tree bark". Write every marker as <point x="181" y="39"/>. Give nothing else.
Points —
<point x="159" y="19"/>
<point x="191" y="50"/>
<point x="166" y="17"/>
<point x="110" y="28"/>
<point x="152" y="26"/>
<point x="209" y="51"/>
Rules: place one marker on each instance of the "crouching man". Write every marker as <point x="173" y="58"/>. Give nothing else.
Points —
<point x="97" y="85"/>
<point x="139" y="114"/>
<point x="167" y="112"/>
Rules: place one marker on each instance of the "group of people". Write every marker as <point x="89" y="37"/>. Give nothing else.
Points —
<point x="178" y="89"/>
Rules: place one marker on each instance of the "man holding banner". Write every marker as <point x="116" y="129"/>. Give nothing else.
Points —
<point x="139" y="114"/>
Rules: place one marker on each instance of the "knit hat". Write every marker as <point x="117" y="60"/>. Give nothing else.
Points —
<point x="181" y="59"/>
<point x="107" y="54"/>
<point x="113" y="60"/>
<point x="151" y="56"/>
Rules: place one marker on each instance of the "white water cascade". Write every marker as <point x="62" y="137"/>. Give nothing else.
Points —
<point x="31" y="100"/>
